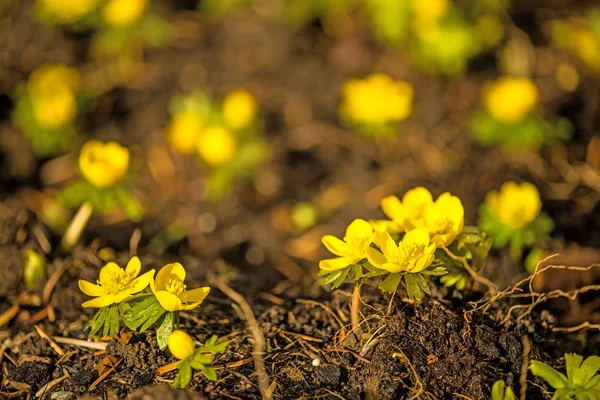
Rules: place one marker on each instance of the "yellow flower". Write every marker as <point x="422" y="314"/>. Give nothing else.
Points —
<point x="53" y="110"/>
<point x="351" y="250"/>
<point x="181" y="345"/>
<point x="444" y="219"/>
<point x="376" y="99"/>
<point x="510" y="99"/>
<point x="515" y="205"/>
<point x="239" y="109"/>
<point x="103" y="164"/>
<point x="66" y="11"/>
<point x="116" y="284"/>
<point x="172" y="293"/>
<point x="120" y="13"/>
<point x="52" y="77"/>
<point x="413" y="254"/>
<point x="183" y="131"/>
<point x="216" y="145"/>
<point x="429" y="11"/>
<point x="406" y="214"/>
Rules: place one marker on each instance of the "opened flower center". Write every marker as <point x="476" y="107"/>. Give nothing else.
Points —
<point x="116" y="281"/>
<point x="175" y="286"/>
<point x="357" y="244"/>
<point x="406" y="255"/>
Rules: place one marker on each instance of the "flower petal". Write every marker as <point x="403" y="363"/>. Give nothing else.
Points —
<point x="333" y="264"/>
<point x="392" y="208"/>
<point x="358" y="227"/>
<point x="133" y="267"/>
<point x="418" y="237"/>
<point x="197" y="295"/>
<point x="90" y="289"/>
<point x="190" y="306"/>
<point x="108" y="272"/>
<point x="392" y="268"/>
<point x="335" y="245"/>
<point x="376" y="258"/>
<point x="425" y="259"/>
<point x="386" y="244"/>
<point x="167" y="272"/>
<point x="416" y="199"/>
<point x="140" y="283"/>
<point x="168" y="300"/>
<point x="100" y="302"/>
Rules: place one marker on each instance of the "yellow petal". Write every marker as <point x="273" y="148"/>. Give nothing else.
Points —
<point x="168" y="300"/>
<point x="425" y="259"/>
<point x="190" y="306"/>
<point x="393" y="209"/>
<point x="379" y="224"/>
<point x="359" y="227"/>
<point x="416" y="198"/>
<point x="197" y="295"/>
<point x="90" y="289"/>
<point x="333" y="264"/>
<point x="392" y="268"/>
<point x="418" y="237"/>
<point x="167" y="273"/>
<point x="386" y="244"/>
<point x="335" y="245"/>
<point x="133" y="267"/>
<point x="122" y="296"/>
<point x="100" y="302"/>
<point x="108" y="272"/>
<point x="531" y="201"/>
<point x="140" y="283"/>
<point x="376" y="258"/>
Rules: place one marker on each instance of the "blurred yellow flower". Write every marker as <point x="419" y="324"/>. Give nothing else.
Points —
<point x="427" y="16"/>
<point x="351" y="250"/>
<point x="103" y="164"/>
<point x="239" y="109"/>
<point x="172" y="293"/>
<point x="51" y="77"/>
<point x="53" y="110"/>
<point x="120" y="13"/>
<point x="509" y="99"/>
<point x="66" y="11"/>
<point x="444" y="219"/>
<point x="515" y="205"/>
<point x="412" y="255"/>
<point x="183" y="131"/>
<point x="116" y="284"/>
<point x="216" y="145"/>
<point x="181" y="345"/>
<point x="376" y="99"/>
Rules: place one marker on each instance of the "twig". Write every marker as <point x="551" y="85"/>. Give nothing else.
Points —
<point x="3" y="348"/>
<point x="104" y="375"/>
<point x="355" y="309"/>
<point x="81" y="343"/>
<point x="77" y="225"/>
<point x="53" y="344"/>
<point x="48" y="386"/>
<point x="259" y="340"/>
<point x="583" y="325"/>
<point x="9" y="314"/>
<point x="524" y="365"/>
<point x="52" y="281"/>
<point x="134" y="241"/>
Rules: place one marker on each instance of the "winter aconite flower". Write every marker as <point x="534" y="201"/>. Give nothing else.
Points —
<point x="116" y="284"/>
<point x="65" y="11"/>
<point x="413" y="254"/>
<point x="216" y="145"/>
<point x="351" y="250"/>
<point x="172" y="293"/>
<point x="239" y="109"/>
<point x="103" y="164"/>
<point x="181" y="345"/>
<point x="405" y="214"/>
<point x="514" y="205"/>
<point x="183" y="131"/>
<point x="376" y="99"/>
<point x="444" y="218"/>
<point x="510" y="99"/>
<point x="121" y="13"/>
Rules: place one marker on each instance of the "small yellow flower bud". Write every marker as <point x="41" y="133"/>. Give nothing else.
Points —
<point x="239" y="109"/>
<point x="183" y="131"/>
<point x="515" y="205"/>
<point x="120" y="13"/>
<point x="181" y="345"/>
<point x="510" y="99"/>
<point x="103" y="164"/>
<point x="216" y="145"/>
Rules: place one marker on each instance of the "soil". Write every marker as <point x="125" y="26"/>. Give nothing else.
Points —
<point x="450" y="346"/>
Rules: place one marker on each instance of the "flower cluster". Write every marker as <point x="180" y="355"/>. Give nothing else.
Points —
<point x="509" y="117"/>
<point x="145" y="301"/>
<point x="407" y="247"/>
<point x="512" y="216"/>
<point x="46" y="108"/>
<point x="580" y="37"/>
<point x="226" y="136"/>
<point x="374" y="104"/>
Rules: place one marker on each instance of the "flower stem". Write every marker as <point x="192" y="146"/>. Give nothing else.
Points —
<point x="77" y="225"/>
<point x="355" y="308"/>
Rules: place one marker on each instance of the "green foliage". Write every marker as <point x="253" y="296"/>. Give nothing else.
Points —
<point x="582" y="381"/>
<point x="502" y="392"/>
<point x="530" y="133"/>
<point x="297" y="13"/>
<point x="143" y="311"/>
<point x="389" y="20"/>
<point x="517" y="239"/>
<point x="201" y="360"/>
<point x="221" y="7"/>
<point x="106" y="318"/>
<point x="336" y="278"/>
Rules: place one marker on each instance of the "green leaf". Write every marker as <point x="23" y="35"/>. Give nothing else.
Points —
<point x="97" y="321"/>
<point x="437" y="271"/>
<point x="412" y="288"/>
<point x="130" y="204"/>
<point x="210" y="373"/>
<point x="554" y="378"/>
<point x="332" y="277"/>
<point x="594" y="383"/>
<point x="390" y="284"/>
<point x="586" y="372"/>
<point x="213" y="345"/>
<point x="573" y="362"/>
<point x="145" y="311"/>
<point x="340" y="280"/>
<point x="502" y="392"/>
<point x="422" y="282"/>
<point x="175" y="383"/>
<point x="185" y="374"/>
<point x="164" y="329"/>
